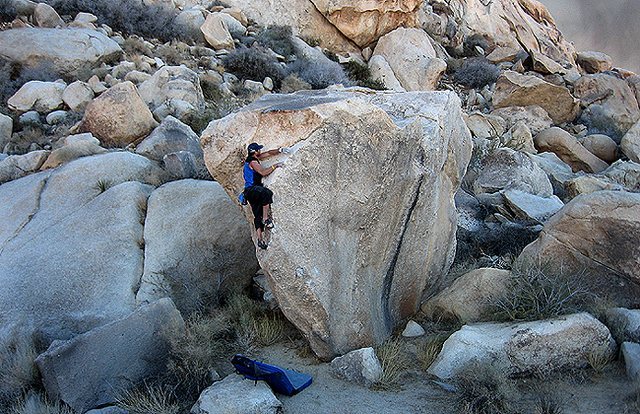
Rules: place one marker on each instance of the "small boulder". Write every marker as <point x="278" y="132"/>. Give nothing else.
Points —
<point x="91" y="369"/>
<point x="118" y="117"/>
<point x="624" y="324"/>
<point x="360" y="366"/>
<point x="46" y="16"/>
<point x="413" y="330"/>
<point x="173" y="90"/>
<point x="412" y="58"/>
<point x="171" y="136"/>
<point x="531" y="208"/>
<point x="594" y="62"/>
<point x="557" y="171"/>
<point x="514" y="89"/>
<point x="625" y="173"/>
<point x="630" y="144"/>
<point x="43" y="97"/>
<point x="485" y="126"/>
<point x="631" y="354"/>
<point x="216" y="32"/>
<point x="56" y="117"/>
<point x="601" y="146"/>
<point x="18" y="166"/>
<point x="381" y="71"/>
<point x="189" y="21"/>
<point x="567" y="147"/>
<point x="70" y="152"/>
<point x="610" y="105"/>
<point x="519" y="138"/>
<point x="533" y="116"/>
<point x="587" y="184"/>
<point x="470" y="297"/>
<point x="508" y="169"/>
<point x="235" y="395"/>
<point x="235" y="27"/>
<point x="517" y="349"/>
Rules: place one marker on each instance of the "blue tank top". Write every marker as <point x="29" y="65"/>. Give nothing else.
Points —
<point x="251" y="177"/>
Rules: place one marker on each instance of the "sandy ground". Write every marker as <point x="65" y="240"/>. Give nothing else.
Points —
<point x="584" y="392"/>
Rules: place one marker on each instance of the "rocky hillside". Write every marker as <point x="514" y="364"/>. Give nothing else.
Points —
<point x="453" y="171"/>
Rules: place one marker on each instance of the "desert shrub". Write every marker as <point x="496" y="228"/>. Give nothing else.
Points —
<point x="133" y="45"/>
<point x="18" y="372"/>
<point x="293" y="83"/>
<point x="394" y="362"/>
<point x="600" y="121"/>
<point x="482" y="390"/>
<point x="128" y="16"/>
<point x="176" y="53"/>
<point x="149" y="399"/>
<point x="278" y="39"/>
<point x="476" y="73"/>
<point x="361" y="75"/>
<point x="7" y="11"/>
<point x="319" y="73"/>
<point x="254" y="64"/>
<point x="38" y="404"/>
<point x="539" y="291"/>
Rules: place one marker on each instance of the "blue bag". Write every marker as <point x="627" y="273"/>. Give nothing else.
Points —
<point x="282" y="381"/>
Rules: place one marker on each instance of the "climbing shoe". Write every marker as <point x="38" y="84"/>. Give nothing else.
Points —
<point x="268" y="223"/>
<point x="262" y="245"/>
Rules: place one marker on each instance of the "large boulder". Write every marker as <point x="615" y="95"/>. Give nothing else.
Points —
<point x="514" y="24"/>
<point x="46" y="16"/>
<point x="78" y="95"/>
<point x="43" y="97"/>
<point x="118" y="117"/>
<point x="569" y="150"/>
<point x="66" y="51"/>
<point x="408" y="151"/>
<point x="303" y="17"/>
<point x="611" y="105"/>
<point x="412" y="59"/>
<point x="71" y="243"/>
<point x="514" y="89"/>
<point x="506" y="169"/>
<point x="94" y="368"/>
<point x="471" y="297"/>
<point x="596" y="231"/>
<point x="525" y="348"/>
<point x="364" y="22"/>
<point x="625" y="173"/>
<point x="173" y="90"/>
<point x="72" y="151"/>
<point x="587" y="184"/>
<point x="235" y="395"/>
<point x="594" y="62"/>
<point x="531" y="208"/>
<point x="197" y="246"/>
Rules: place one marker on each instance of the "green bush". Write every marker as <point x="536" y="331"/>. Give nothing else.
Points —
<point x="476" y="73"/>
<point x="254" y="64"/>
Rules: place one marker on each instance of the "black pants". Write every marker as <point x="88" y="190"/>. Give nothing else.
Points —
<point x="258" y="197"/>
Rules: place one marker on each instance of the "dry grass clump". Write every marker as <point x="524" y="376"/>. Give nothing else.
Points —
<point x="430" y="349"/>
<point x="394" y="361"/>
<point x="38" y="404"/>
<point x="18" y="372"/>
<point x="149" y="399"/>
<point x="482" y="390"/>
<point x="539" y="291"/>
<point x="598" y="360"/>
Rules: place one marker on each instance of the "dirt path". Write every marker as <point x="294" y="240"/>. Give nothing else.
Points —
<point x="582" y="393"/>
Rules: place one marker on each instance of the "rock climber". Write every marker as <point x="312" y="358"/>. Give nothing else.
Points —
<point x="259" y="196"/>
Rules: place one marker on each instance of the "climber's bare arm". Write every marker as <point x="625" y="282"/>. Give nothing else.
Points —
<point x="263" y="171"/>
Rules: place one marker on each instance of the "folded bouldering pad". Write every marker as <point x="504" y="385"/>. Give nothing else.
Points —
<point x="282" y="381"/>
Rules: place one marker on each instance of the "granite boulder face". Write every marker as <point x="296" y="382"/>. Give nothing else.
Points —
<point x="364" y="211"/>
